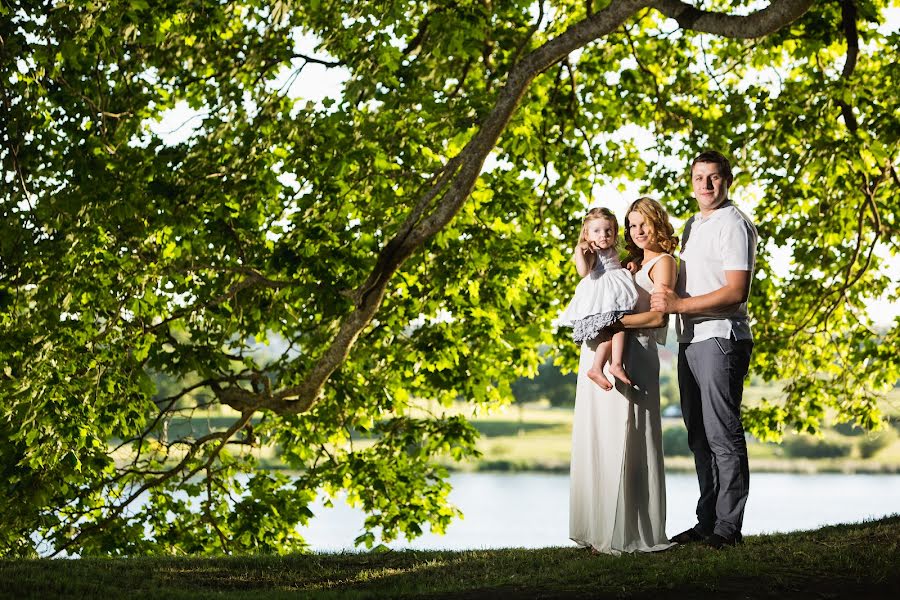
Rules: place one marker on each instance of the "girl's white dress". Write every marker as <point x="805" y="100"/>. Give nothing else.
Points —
<point x="601" y="297"/>
<point x="617" y="494"/>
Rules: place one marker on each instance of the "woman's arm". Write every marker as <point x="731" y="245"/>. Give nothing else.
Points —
<point x="662" y="274"/>
<point x="645" y="320"/>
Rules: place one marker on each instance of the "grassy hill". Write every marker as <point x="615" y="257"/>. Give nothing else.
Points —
<point x="846" y="561"/>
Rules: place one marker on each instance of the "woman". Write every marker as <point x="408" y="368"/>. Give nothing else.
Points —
<point x="618" y="495"/>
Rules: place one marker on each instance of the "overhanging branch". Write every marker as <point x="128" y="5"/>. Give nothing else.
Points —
<point x="758" y="24"/>
<point x="449" y="191"/>
<point x="116" y="510"/>
<point x="848" y="21"/>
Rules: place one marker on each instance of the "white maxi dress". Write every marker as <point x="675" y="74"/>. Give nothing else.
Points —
<point x="617" y="497"/>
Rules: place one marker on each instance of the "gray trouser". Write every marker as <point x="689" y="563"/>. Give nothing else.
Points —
<point x="711" y="382"/>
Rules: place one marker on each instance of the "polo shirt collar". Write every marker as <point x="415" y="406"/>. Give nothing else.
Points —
<point x="716" y="213"/>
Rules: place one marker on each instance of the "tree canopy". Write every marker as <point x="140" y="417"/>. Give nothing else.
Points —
<point x="409" y="240"/>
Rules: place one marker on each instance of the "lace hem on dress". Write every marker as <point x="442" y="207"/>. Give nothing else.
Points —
<point x="590" y="327"/>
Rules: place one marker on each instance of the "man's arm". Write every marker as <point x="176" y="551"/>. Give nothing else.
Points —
<point x="735" y="291"/>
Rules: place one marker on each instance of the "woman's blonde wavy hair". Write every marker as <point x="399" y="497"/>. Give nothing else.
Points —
<point x="663" y="234"/>
<point x="600" y="213"/>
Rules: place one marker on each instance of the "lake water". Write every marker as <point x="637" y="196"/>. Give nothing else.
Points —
<point x="531" y="510"/>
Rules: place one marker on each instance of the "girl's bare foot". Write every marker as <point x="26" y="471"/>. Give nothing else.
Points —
<point x="597" y="377"/>
<point x="619" y="373"/>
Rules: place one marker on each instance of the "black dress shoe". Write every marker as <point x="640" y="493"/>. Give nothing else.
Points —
<point x="688" y="536"/>
<point x="718" y="542"/>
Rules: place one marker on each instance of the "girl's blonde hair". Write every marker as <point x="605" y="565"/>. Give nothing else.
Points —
<point x="655" y="215"/>
<point x="596" y="214"/>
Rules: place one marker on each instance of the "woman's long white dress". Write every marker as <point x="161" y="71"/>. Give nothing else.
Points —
<point x="617" y="499"/>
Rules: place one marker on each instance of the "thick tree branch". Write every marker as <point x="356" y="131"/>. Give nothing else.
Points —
<point x="759" y="24"/>
<point x="453" y="187"/>
<point x="848" y="21"/>
<point x="470" y="159"/>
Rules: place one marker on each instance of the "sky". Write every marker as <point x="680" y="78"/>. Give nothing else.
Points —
<point x="318" y="82"/>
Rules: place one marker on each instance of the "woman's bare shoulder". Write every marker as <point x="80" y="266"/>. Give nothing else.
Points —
<point x="666" y="255"/>
<point x="669" y="269"/>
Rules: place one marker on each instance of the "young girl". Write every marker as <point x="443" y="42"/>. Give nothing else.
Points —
<point x="605" y="293"/>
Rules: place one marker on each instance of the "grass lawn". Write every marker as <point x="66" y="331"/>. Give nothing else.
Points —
<point x="846" y="561"/>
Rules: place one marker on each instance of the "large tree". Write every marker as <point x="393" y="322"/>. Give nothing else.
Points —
<point x="407" y="241"/>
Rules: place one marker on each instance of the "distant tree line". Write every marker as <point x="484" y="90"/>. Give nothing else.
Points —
<point x="558" y="387"/>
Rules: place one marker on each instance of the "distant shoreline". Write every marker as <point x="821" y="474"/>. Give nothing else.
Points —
<point x="686" y="465"/>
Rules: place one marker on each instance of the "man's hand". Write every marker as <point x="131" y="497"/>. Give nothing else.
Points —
<point x="665" y="300"/>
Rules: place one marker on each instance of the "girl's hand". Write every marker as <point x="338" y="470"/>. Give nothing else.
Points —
<point x="584" y="257"/>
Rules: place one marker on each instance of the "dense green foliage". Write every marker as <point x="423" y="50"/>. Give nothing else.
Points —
<point x="368" y="240"/>
<point x="550" y="383"/>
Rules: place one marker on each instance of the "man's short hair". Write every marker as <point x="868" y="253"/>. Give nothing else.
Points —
<point x="712" y="156"/>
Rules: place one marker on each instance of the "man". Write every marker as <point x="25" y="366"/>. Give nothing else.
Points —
<point x="718" y="256"/>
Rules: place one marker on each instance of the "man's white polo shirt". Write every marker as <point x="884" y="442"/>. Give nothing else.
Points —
<point x="723" y="241"/>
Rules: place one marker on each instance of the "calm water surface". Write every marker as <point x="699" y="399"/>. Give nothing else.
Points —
<point x="531" y="510"/>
